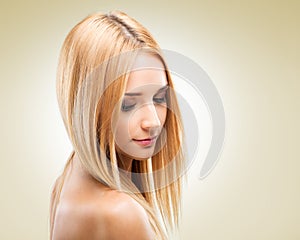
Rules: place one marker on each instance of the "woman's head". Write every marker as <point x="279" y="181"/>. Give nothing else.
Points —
<point x="115" y="96"/>
<point x="104" y="58"/>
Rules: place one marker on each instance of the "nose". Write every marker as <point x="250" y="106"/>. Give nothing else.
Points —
<point x="150" y="118"/>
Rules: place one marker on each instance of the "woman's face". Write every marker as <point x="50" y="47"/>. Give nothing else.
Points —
<point x="144" y="109"/>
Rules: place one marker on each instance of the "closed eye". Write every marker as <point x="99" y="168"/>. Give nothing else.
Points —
<point x="127" y="105"/>
<point x="160" y="100"/>
<point x="161" y="97"/>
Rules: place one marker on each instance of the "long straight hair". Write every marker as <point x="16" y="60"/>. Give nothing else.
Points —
<point x="95" y="62"/>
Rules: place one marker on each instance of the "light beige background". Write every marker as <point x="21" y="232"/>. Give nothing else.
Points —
<point x="251" y="51"/>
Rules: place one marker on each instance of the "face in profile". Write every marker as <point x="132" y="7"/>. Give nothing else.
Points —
<point x="144" y="109"/>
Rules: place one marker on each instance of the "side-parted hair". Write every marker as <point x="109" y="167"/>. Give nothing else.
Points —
<point x="95" y="62"/>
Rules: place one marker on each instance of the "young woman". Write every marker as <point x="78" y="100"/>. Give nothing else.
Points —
<point x="123" y="180"/>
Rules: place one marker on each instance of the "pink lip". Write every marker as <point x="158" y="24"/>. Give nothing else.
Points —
<point x="145" y="142"/>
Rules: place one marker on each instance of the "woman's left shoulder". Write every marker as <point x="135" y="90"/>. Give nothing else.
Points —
<point x="126" y="218"/>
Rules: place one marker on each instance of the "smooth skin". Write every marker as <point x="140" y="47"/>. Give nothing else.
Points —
<point x="90" y="210"/>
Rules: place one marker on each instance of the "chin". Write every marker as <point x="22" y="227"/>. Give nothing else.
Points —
<point x="142" y="157"/>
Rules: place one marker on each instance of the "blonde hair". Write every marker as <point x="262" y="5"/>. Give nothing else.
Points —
<point x="94" y="65"/>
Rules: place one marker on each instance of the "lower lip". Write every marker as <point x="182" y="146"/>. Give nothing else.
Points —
<point x="146" y="142"/>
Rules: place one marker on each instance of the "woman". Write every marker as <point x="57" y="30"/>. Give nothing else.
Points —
<point x="123" y="179"/>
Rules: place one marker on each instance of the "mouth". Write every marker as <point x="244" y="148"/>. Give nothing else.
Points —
<point x="147" y="142"/>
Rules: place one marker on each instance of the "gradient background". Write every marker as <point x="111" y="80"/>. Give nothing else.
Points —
<point x="250" y="49"/>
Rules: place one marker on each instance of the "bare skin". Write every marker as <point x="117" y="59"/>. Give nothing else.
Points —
<point x="88" y="208"/>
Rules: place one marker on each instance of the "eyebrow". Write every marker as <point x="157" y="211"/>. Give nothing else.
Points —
<point x="139" y="94"/>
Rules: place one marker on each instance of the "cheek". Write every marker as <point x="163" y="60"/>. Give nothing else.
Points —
<point x="126" y="127"/>
<point x="121" y="129"/>
<point x="162" y="114"/>
<point x="133" y="123"/>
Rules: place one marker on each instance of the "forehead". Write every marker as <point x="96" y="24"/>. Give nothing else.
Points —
<point x="147" y="70"/>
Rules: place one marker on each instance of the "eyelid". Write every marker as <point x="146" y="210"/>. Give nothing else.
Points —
<point x="127" y="104"/>
<point x="129" y="100"/>
<point x="161" y="98"/>
<point x="126" y="108"/>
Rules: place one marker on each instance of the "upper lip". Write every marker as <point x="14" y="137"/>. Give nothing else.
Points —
<point x="148" y="138"/>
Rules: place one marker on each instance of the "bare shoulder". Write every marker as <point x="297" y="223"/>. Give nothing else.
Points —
<point x="127" y="219"/>
<point x="113" y="216"/>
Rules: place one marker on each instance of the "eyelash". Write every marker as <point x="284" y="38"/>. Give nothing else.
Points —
<point x="160" y="100"/>
<point x="127" y="108"/>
